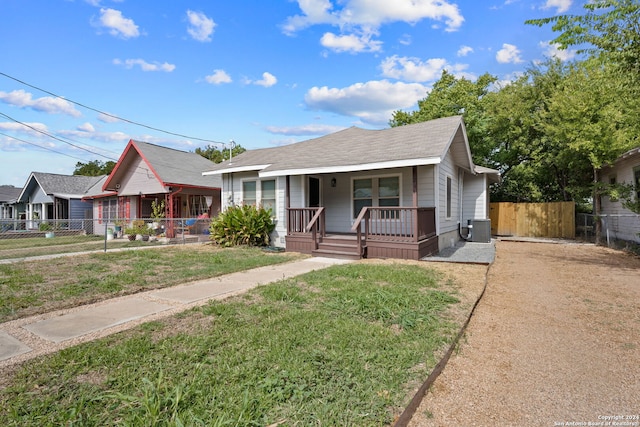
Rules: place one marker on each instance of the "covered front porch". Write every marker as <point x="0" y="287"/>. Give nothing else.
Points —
<point x="378" y="232"/>
<point x="364" y="214"/>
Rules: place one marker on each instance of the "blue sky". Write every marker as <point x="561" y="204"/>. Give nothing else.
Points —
<point x="260" y="73"/>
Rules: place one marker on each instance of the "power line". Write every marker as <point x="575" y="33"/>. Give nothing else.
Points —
<point x="55" y="137"/>
<point x="108" y="114"/>
<point x="40" y="146"/>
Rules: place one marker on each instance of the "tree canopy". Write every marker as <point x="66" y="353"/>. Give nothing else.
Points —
<point x="94" y="168"/>
<point x="551" y="130"/>
<point x="217" y="155"/>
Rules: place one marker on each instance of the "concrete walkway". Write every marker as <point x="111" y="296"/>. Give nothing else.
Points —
<point x="26" y="338"/>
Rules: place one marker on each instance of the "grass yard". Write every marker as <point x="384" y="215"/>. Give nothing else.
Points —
<point x="37" y="246"/>
<point x="340" y="346"/>
<point x="39" y="286"/>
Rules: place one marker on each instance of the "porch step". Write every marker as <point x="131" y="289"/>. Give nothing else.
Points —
<point x="338" y="248"/>
<point x="336" y="254"/>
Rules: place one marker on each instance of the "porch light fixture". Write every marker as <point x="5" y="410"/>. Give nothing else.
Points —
<point x="333" y="182"/>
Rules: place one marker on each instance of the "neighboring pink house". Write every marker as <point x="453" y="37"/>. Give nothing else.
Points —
<point x="145" y="173"/>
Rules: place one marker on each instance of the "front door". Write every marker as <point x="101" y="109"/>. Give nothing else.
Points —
<point x="314" y="192"/>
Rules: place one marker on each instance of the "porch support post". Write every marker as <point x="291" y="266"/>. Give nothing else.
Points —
<point x="414" y="211"/>
<point x="415" y="186"/>
<point x="287" y="200"/>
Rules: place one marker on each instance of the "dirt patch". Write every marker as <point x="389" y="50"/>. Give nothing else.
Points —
<point x="554" y="340"/>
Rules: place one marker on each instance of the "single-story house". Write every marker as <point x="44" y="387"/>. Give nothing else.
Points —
<point x="402" y="192"/>
<point x="58" y="199"/>
<point x="146" y="173"/>
<point x="621" y="223"/>
<point x="8" y="199"/>
<point x="10" y="210"/>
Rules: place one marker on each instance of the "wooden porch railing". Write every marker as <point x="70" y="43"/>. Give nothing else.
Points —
<point x="394" y="224"/>
<point x="307" y="220"/>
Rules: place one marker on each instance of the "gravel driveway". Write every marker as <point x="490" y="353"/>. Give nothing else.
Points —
<point x="555" y="341"/>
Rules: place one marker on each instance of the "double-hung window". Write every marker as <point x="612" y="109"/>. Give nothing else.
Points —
<point x="381" y="192"/>
<point x="262" y="193"/>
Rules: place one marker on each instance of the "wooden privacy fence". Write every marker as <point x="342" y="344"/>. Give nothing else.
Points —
<point x="555" y="219"/>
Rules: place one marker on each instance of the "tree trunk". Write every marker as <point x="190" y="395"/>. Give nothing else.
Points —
<point x="596" y="208"/>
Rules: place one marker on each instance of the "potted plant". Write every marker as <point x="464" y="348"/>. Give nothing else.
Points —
<point x="118" y="224"/>
<point x="157" y="212"/>
<point x="47" y="228"/>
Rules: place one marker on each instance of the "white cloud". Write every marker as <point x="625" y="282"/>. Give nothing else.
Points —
<point x="268" y="80"/>
<point x="412" y="69"/>
<point x="19" y="127"/>
<point x="350" y="43"/>
<point x="47" y="104"/>
<point x="373" y="102"/>
<point x="86" y="127"/>
<point x="117" y="24"/>
<point x="310" y="129"/>
<point x="144" y="65"/>
<point x="405" y="40"/>
<point x="200" y="26"/>
<point x="373" y="13"/>
<point x="561" y="5"/>
<point x="553" y="50"/>
<point x="218" y="77"/>
<point x="508" y="54"/>
<point x="359" y="19"/>
<point x="464" y="50"/>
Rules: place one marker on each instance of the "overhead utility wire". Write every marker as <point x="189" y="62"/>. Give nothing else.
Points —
<point x="54" y="137"/>
<point x="40" y="146"/>
<point x="110" y="115"/>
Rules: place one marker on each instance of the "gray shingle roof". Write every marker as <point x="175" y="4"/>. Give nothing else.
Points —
<point x="354" y="148"/>
<point x="9" y="193"/>
<point x="177" y="167"/>
<point x="76" y="185"/>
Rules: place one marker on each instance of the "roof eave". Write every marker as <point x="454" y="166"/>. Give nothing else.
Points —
<point x="352" y="168"/>
<point x="248" y="168"/>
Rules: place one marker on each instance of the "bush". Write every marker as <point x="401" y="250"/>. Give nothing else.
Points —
<point x="242" y="225"/>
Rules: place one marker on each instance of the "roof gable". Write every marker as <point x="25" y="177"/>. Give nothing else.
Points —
<point x="168" y="166"/>
<point x="357" y="149"/>
<point x="66" y="186"/>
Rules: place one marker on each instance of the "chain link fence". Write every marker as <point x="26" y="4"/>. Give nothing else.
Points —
<point x="616" y="230"/>
<point x="20" y="239"/>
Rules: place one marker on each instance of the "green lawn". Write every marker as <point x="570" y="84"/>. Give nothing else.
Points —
<point x="37" y="246"/>
<point x="343" y="346"/>
<point x="39" y="286"/>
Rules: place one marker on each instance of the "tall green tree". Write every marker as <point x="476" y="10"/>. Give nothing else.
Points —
<point x="451" y="96"/>
<point x="217" y="155"/>
<point x="94" y="168"/>
<point x="609" y="28"/>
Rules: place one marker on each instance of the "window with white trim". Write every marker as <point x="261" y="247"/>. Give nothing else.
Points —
<point x="264" y="192"/>
<point x="380" y="192"/>
<point x="268" y="195"/>
<point x="249" y="196"/>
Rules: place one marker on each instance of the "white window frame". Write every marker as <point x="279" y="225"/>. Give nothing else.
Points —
<point x="259" y="200"/>
<point x="375" y="188"/>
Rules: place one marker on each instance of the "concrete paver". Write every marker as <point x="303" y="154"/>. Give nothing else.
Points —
<point x="73" y="325"/>
<point x="52" y="330"/>
<point x="10" y="347"/>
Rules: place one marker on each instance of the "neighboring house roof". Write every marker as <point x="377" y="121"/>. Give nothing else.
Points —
<point x="169" y="166"/>
<point x="62" y="186"/>
<point x="356" y="149"/>
<point x="494" y="175"/>
<point x="9" y="193"/>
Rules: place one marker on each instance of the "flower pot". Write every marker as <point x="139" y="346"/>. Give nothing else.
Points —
<point x="49" y="234"/>
<point x="131" y="237"/>
<point x="145" y="238"/>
